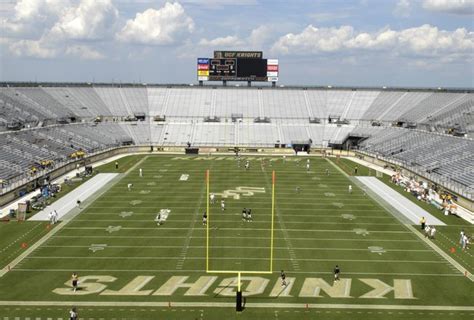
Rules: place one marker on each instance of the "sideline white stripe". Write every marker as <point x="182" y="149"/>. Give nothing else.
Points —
<point x="232" y="304"/>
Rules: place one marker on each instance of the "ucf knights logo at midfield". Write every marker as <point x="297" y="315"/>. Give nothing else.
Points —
<point x="237" y="192"/>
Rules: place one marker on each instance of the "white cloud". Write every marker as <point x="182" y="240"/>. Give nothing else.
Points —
<point x="84" y="52"/>
<point x="329" y="16"/>
<point x="402" y="9"/>
<point x="425" y="40"/>
<point x="221" y="3"/>
<point x="30" y="17"/>
<point x="314" y="40"/>
<point x="261" y="36"/>
<point x="90" y="20"/>
<point x="464" y="7"/>
<point x="165" y="26"/>
<point x="228" y="42"/>
<point x="33" y="48"/>
<point x="45" y="26"/>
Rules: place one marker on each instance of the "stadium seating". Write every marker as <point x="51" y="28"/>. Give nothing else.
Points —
<point x="186" y="111"/>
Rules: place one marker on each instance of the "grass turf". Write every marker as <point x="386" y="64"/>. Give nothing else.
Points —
<point x="314" y="230"/>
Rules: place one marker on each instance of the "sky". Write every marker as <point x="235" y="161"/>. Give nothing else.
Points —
<point x="403" y="43"/>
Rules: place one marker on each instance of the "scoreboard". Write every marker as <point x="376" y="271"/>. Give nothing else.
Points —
<point x="237" y="66"/>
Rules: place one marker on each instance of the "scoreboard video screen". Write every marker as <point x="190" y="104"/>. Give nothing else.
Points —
<point x="222" y="69"/>
<point x="238" y="69"/>
<point x="237" y="66"/>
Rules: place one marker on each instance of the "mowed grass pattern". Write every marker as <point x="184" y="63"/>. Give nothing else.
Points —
<point x="318" y="224"/>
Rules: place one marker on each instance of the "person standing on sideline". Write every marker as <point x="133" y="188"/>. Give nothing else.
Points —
<point x="141" y="172"/>
<point x="427" y="231"/>
<point x="337" y="272"/>
<point x="432" y="232"/>
<point x="464" y="242"/>
<point x="51" y="218"/>
<point x="423" y="223"/>
<point x="116" y="165"/>
<point x="462" y="239"/>
<point x="55" y="217"/>
<point x="78" y="203"/>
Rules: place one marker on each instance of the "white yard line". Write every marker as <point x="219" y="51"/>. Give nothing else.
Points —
<point x="233" y="247"/>
<point x="242" y="237"/>
<point x="238" y="229"/>
<point x="231" y="258"/>
<point x="262" y="214"/>
<point x="254" y="222"/>
<point x="274" y="272"/>
<point x="199" y="304"/>
<point x="335" y="215"/>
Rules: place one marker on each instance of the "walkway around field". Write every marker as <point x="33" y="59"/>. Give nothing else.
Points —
<point x="68" y="202"/>
<point x="410" y="210"/>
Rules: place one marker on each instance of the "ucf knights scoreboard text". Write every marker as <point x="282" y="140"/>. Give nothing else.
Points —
<point x="237" y="66"/>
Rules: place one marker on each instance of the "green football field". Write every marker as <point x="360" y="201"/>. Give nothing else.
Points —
<point x="131" y="268"/>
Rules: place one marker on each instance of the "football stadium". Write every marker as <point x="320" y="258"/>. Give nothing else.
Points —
<point x="235" y="197"/>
